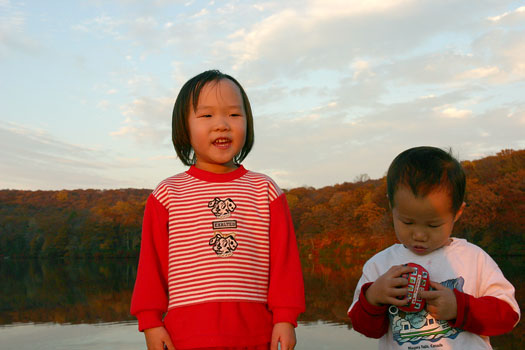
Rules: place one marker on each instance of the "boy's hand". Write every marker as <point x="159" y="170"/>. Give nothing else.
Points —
<point x="387" y="287"/>
<point x="441" y="302"/>
<point x="158" y="339"/>
<point x="284" y="333"/>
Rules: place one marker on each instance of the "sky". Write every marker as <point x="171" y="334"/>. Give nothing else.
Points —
<point x="338" y="88"/>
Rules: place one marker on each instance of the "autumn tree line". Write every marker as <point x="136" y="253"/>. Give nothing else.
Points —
<point x="346" y="220"/>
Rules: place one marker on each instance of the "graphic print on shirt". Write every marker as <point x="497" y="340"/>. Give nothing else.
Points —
<point x="223" y="244"/>
<point x="420" y="326"/>
<point x="222" y="208"/>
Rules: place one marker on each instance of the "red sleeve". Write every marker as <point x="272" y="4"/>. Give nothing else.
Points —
<point x="150" y="295"/>
<point x="369" y="319"/>
<point x="286" y="290"/>
<point x="487" y="315"/>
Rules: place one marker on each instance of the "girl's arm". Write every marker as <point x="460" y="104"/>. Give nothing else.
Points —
<point x="368" y="319"/>
<point x="286" y="290"/>
<point x="149" y="301"/>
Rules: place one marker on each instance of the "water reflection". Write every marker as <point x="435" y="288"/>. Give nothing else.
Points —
<point x="91" y="292"/>
<point x="75" y="291"/>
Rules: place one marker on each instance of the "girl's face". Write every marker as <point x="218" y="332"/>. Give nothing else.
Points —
<point x="217" y="127"/>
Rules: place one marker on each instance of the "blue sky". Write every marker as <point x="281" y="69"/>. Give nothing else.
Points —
<point x="338" y="88"/>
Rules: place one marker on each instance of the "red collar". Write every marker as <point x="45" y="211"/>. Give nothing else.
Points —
<point x="214" y="177"/>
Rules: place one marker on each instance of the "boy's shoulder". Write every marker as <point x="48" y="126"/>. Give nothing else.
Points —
<point x="465" y="249"/>
<point x="461" y="243"/>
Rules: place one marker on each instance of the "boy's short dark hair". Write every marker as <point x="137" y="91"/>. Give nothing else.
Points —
<point x="188" y="98"/>
<point x="424" y="169"/>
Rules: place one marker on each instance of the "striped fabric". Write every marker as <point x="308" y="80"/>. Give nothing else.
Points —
<point x="218" y="238"/>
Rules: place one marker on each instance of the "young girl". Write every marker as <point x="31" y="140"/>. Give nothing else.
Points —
<point x="219" y="266"/>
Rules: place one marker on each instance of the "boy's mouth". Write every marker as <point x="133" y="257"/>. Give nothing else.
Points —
<point x="419" y="249"/>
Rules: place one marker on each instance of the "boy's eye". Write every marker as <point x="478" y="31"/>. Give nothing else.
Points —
<point x="434" y="225"/>
<point x="406" y="222"/>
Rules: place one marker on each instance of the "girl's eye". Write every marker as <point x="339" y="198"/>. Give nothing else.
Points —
<point x="205" y="116"/>
<point x="434" y="225"/>
<point x="407" y="222"/>
<point x="236" y="115"/>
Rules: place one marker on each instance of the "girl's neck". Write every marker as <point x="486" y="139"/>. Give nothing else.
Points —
<point x="212" y="176"/>
<point x="217" y="168"/>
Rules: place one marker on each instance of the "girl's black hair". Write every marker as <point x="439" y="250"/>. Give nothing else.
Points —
<point x="188" y="98"/>
<point x="425" y="169"/>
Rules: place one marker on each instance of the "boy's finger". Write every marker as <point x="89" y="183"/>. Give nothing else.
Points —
<point x="429" y="294"/>
<point x="437" y="286"/>
<point x="400" y="282"/>
<point x="398" y="270"/>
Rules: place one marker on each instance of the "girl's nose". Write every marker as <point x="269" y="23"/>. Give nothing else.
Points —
<point x="222" y="123"/>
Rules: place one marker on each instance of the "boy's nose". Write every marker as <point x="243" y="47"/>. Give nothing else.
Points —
<point x="419" y="235"/>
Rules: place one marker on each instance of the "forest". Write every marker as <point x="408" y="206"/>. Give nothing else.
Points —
<point x="352" y="218"/>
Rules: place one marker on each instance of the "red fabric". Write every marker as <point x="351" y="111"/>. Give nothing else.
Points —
<point x="150" y="295"/>
<point x="484" y="316"/>
<point x="369" y="319"/>
<point x="286" y="290"/>
<point x="218" y="323"/>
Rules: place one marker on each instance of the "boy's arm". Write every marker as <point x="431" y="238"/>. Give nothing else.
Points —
<point x="368" y="319"/>
<point x="149" y="301"/>
<point x="495" y="312"/>
<point x="369" y="312"/>
<point x="286" y="289"/>
<point x="487" y="315"/>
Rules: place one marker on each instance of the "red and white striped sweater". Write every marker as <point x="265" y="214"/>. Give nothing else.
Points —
<point x="219" y="254"/>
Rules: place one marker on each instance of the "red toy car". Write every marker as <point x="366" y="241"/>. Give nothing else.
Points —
<point x="418" y="280"/>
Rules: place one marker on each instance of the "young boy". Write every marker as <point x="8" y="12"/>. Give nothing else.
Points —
<point x="469" y="299"/>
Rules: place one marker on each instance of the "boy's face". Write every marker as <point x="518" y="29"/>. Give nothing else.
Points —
<point x="423" y="224"/>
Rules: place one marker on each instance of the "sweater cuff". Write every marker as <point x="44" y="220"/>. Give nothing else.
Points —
<point x="369" y="308"/>
<point x="462" y="309"/>
<point x="286" y="315"/>
<point x="149" y="319"/>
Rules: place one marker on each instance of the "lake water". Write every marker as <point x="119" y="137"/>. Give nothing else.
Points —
<point x="85" y="305"/>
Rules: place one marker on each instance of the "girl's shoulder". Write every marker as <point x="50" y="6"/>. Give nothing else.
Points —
<point x="262" y="179"/>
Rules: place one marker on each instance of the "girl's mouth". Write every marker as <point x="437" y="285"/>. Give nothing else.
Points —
<point x="222" y="143"/>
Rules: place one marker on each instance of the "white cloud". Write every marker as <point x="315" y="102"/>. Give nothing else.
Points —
<point x="148" y="121"/>
<point x="38" y="160"/>
<point x="478" y="73"/>
<point x="518" y="14"/>
<point x="452" y="112"/>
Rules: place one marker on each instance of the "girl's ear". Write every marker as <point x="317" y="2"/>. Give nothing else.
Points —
<point x="460" y="211"/>
<point x="389" y="205"/>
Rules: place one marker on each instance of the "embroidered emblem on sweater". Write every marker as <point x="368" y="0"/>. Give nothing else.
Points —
<point x="223" y="244"/>
<point x="222" y="208"/>
<point x="218" y="225"/>
<point x="419" y="326"/>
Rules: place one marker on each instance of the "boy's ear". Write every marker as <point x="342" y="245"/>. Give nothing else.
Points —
<point x="460" y="211"/>
<point x="388" y="198"/>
